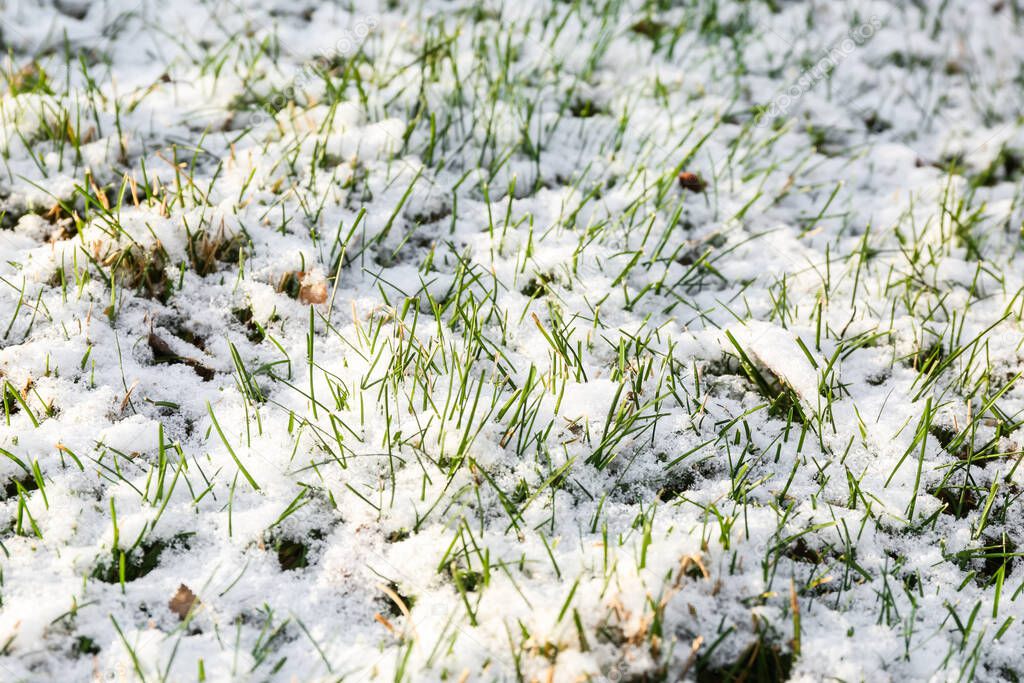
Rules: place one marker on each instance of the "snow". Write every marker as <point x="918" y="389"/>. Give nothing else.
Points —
<point x="482" y="356"/>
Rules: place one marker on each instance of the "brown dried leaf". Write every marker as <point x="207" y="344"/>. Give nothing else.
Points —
<point x="304" y="286"/>
<point x="692" y="182"/>
<point x="182" y="602"/>
<point x="313" y="293"/>
<point x="163" y="353"/>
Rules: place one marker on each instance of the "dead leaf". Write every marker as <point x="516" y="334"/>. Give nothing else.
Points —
<point x="182" y="602"/>
<point x="161" y="350"/>
<point x="692" y="182"/>
<point x="313" y="292"/>
<point x="304" y="286"/>
<point x="163" y="353"/>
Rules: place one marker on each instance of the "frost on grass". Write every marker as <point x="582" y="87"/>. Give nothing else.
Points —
<point x="451" y="340"/>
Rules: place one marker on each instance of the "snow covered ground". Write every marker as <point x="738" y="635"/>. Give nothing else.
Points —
<point x="543" y="341"/>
